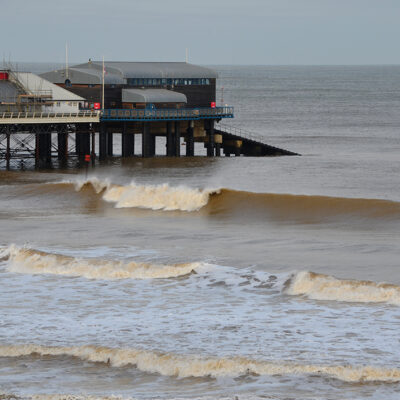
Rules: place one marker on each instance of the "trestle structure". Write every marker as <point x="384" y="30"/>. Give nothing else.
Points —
<point x="55" y="142"/>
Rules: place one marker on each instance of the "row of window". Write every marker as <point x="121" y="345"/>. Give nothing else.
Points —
<point x="167" y="81"/>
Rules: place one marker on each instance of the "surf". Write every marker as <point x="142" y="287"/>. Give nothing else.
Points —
<point x="31" y="261"/>
<point x="325" y="287"/>
<point x="185" y="366"/>
<point x="240" y="204"/>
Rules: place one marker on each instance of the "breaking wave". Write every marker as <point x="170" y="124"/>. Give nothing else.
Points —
<point x="194" y="366"/>
<point x="304" y="208"/>
<point x="25" y="260"/>
<point x="324" y="287"/>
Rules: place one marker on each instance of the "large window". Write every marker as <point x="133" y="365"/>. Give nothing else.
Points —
<point x="167" y="81"/>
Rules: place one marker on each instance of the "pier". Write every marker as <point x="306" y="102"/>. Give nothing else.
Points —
<point x="75" y="115"/>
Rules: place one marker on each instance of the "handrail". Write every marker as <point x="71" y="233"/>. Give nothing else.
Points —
<point x="167" y="113"/>
<point x="42" y="115"/>
<point x="233" y="130"/>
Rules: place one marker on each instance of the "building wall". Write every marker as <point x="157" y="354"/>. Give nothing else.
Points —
<point x="197" y="95"/>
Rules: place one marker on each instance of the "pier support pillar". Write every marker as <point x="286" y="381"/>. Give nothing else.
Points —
<point x="103" y="142"/>
<point x="83" y="143"/>
<point x="170" y="140"/>
<point x="62" y="142"/>
<point x="211" y="144"/>
<point x="128" y="142"/>
<point x="8" y="149"/>
<point x="217" y="149"/>
<point x="177" y="139"/>
<point x="148" y="141"/>
<point x="110" y="144"/>
<point x="43" y="149"/>
<point x="190" y="140"/>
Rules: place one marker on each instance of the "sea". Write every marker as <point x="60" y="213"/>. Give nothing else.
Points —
<point x="234" y="278"/>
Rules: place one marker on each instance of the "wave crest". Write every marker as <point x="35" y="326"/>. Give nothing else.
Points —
<point x="324" y="287"/>
<point x="194" y="366"/>
<point x="24" y="260"/>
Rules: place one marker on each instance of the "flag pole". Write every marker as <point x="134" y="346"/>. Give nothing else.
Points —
<point x="102" y="94"/>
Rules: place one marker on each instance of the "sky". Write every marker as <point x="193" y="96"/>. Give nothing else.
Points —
<point x="238" y="32"/>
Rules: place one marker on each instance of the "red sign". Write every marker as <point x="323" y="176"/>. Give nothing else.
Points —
<point x="213" y="105"/>
<point x="87" y="157"/>
<point x="96" y="106"/>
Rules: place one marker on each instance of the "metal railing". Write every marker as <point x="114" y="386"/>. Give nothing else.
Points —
<point x="233" y="130"/>
<point x="44" y="115"/>
<point x="168" y="113"/>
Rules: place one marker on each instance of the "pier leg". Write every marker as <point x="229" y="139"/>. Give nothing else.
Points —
<point x="177" y="139"/>
<point x="77" y="143"/>
<point x="128" y="142"/>
<point x="217" y="149"/>
<point x="170" y="140"/>
<point x="110" y="144"/>
<point x="84" y="143"/>
<point x="8" y="151"/>
<point x="102" y="142"/>
<point x="62" y="141"/>
<point x="93" y="152"/>
<point x="43" y="150"/>
<point x="190" y="140"/>
<point x="148" y="141"/>
<point x="211" y="144"/>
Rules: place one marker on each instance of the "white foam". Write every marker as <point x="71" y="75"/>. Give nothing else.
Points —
<point x="325" y="287"/>
<point x="25" y="260"/>
<point x="195" y="366"/>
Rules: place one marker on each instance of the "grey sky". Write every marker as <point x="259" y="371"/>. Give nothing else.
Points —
<point x="215" y="31"/>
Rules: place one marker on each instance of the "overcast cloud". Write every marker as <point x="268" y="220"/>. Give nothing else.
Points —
<point x="216" y="32"/>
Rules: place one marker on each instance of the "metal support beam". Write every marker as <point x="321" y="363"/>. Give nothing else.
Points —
<point x="110" y="144"/>
<point x="190" y="140"/>
<point x="103" y="142"/>
<point x="218" y="149"/>
<point x="62" y="141"/>
<point x="43" y="150"/>
<point x="8" y="150"/>
<point x="170" y="140"/>
<point x="93" y="153"/>
<point x="148" y="141"/>
<point x="128" y="142"/>
<point x="211" y="144"/>
<point x="177" y="139"/>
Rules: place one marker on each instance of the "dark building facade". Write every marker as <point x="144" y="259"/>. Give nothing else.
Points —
<point x="195" y="82"/>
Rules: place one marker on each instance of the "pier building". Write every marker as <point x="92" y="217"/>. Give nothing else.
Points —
<point x="76" y="112"/>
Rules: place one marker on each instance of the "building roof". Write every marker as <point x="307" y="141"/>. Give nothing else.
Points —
<point x="152" y="96"/>
<point x="35" y="84"/>
<point x="118" y="72"/>
<point x="8" y="92"/>
<point x="155" y="69"/>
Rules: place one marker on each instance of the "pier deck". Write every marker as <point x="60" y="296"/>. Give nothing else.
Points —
<point x="44" y="137"/>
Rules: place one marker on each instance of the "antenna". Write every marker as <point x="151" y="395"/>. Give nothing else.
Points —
<point x="187" y="55"/>
<point x="102" y="89"/>
<point x="66" y="61"/>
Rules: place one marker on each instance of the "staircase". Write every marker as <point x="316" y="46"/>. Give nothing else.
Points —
<point x="240" y="141"/>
